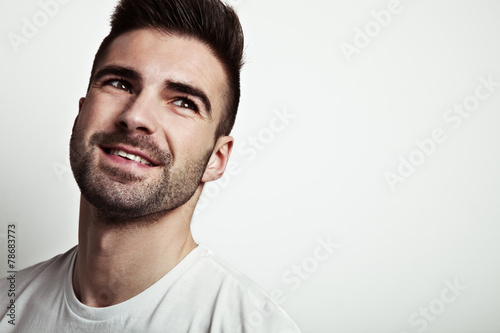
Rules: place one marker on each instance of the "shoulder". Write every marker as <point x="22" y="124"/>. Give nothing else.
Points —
<point x="32" y="276"/>
<point x="30" y="273"/>
<point x="240" y="297"/>
<point x="37" y="279"/>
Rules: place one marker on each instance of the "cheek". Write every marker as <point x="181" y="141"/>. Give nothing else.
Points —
<point x="188" y="134"/>
<point x="193" y="147"/>
<point x="95" y="118"/>
<point x="85" y="127"/>
<point x="201" y="140"/>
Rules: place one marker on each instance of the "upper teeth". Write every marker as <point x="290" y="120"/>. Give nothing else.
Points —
<point x="132" y="157"/>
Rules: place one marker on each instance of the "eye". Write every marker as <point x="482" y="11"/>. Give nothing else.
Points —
<point x="185" y="103"/>
<point x="120" y="84"/>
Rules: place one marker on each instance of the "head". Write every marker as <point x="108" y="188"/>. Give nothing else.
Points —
<point x="161" y="102"/>
<point x="209" y="21"/>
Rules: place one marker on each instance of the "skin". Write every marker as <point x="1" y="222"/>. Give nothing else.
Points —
<point x="121" y="255"/>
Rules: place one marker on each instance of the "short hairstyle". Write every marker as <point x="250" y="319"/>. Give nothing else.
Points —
<point x="209" y="21"/>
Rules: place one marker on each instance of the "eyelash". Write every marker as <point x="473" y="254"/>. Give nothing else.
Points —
<point x="120" y="81"/>
<point x="189" y="101"/>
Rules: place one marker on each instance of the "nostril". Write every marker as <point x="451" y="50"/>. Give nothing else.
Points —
<point x="122" y="124"/>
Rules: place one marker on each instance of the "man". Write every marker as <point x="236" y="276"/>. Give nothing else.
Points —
<point x="153" y="128"/>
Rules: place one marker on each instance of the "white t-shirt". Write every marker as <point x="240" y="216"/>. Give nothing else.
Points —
<point x="200" y="294"/>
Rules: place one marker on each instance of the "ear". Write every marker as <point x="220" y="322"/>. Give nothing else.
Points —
<point x="219" y="159"/>
<point x="80" y="105"/>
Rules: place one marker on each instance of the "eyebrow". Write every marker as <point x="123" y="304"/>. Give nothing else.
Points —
<point x="124" y="72"/>
<point x="180" y="87"/>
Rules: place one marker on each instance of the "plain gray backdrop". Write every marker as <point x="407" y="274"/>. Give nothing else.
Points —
<point x="364" y="186"/>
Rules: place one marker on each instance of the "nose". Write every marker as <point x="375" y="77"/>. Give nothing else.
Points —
<point x="139" y="115"/>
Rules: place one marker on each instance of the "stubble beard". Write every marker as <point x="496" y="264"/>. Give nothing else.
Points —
<point x="123" y="198"/>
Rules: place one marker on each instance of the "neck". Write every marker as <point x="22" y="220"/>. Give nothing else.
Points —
<point x="115" y="263"/>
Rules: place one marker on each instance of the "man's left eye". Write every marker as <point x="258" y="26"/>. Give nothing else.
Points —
<point x="122" y="85"/>
<point x="186" y="103"/>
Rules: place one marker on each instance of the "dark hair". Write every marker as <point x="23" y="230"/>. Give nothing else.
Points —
<point x="210" y="21"/>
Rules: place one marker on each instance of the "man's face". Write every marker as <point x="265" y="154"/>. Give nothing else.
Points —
<point x="146" y="130"/>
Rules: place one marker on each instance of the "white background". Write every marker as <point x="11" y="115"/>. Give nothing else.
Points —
<point x="321" y="176"/>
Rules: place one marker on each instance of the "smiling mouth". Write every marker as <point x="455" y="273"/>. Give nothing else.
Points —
<point x="132" y="157"/>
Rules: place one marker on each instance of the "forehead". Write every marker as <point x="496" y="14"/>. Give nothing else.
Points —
<point x="158" y="57"/>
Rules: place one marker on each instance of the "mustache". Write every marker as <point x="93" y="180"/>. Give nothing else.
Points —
<point x="142" y="142"/>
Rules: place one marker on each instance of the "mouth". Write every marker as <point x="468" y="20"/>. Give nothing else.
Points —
<point x="129" y="155"/>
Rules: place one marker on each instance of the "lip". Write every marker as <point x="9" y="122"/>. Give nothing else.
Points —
<point x="129" y="150"/>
